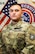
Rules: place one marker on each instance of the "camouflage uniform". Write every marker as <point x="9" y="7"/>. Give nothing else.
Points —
<point x="2" y="45"/>
<point x="30" y="41"/>
<point x="14" y="38"/>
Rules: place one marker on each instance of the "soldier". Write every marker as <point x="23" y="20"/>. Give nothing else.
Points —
<point x="15" y="35"/>
<point x="30" y="41"/>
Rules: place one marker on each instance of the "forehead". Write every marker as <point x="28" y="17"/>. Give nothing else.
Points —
<point x="15" y="7"/>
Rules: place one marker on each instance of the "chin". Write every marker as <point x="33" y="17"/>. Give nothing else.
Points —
<point x="14" y="18"/>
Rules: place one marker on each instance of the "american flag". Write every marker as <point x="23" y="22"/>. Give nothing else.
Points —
<point x="4" y="14"/>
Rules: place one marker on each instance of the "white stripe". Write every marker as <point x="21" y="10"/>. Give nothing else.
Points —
<point x="10" y="21"/>
<point x="4" y="22"/>
<point x="1" y="15"/>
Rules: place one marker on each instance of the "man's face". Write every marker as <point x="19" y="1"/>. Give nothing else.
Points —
<point x="15" y="12"/>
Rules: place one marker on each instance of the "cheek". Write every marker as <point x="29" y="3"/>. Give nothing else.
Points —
<point x="19" y="14"/>
<point x="10" y="14"/>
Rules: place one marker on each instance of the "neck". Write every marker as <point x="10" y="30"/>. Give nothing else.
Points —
<point x="15" y="21"/>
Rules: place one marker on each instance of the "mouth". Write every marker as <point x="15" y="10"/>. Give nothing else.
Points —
<point x="13" y="16"/>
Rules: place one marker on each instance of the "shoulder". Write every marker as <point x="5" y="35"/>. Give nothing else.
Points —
<point x="31" y="29"/>
<point x="25" y="24"/>
<point x="4" y="28"/>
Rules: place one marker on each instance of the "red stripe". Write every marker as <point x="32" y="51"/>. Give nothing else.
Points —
<point x="7" y="21"/>
<point x="2" y="19"/>
<point x="5" y="24"/>
<point x="34" y="19"/>
<point x="0" y="12"/>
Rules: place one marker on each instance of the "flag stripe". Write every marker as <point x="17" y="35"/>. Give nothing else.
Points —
<point x="0" y="12"/>
<point x="8" y="21"/>
<point x="1" y="15"/>
<point x="4" y="22"/>
<point x="34" y="19"/>
<point x="3" y="19"/>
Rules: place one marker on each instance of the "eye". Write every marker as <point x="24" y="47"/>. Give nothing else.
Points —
<point x="11" y="10"/>
<point x="16" y="10"/>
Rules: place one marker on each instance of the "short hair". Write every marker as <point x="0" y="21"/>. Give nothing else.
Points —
<point x="15" y="3"/>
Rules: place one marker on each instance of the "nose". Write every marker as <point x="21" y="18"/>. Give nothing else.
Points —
<point x="14" y="12"/>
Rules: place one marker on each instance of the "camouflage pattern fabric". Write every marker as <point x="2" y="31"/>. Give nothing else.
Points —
<point x="14" y="39"/>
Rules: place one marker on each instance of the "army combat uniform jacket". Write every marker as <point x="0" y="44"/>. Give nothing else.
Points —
<point x="18" y="38"/>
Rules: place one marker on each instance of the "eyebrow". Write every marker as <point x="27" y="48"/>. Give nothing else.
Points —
<point x="12" y="9"/>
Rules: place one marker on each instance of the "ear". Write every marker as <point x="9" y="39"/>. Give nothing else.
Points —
<point x="21" y="13"/>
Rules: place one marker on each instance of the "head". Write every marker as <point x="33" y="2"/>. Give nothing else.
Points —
<point x="15" y="12"/>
